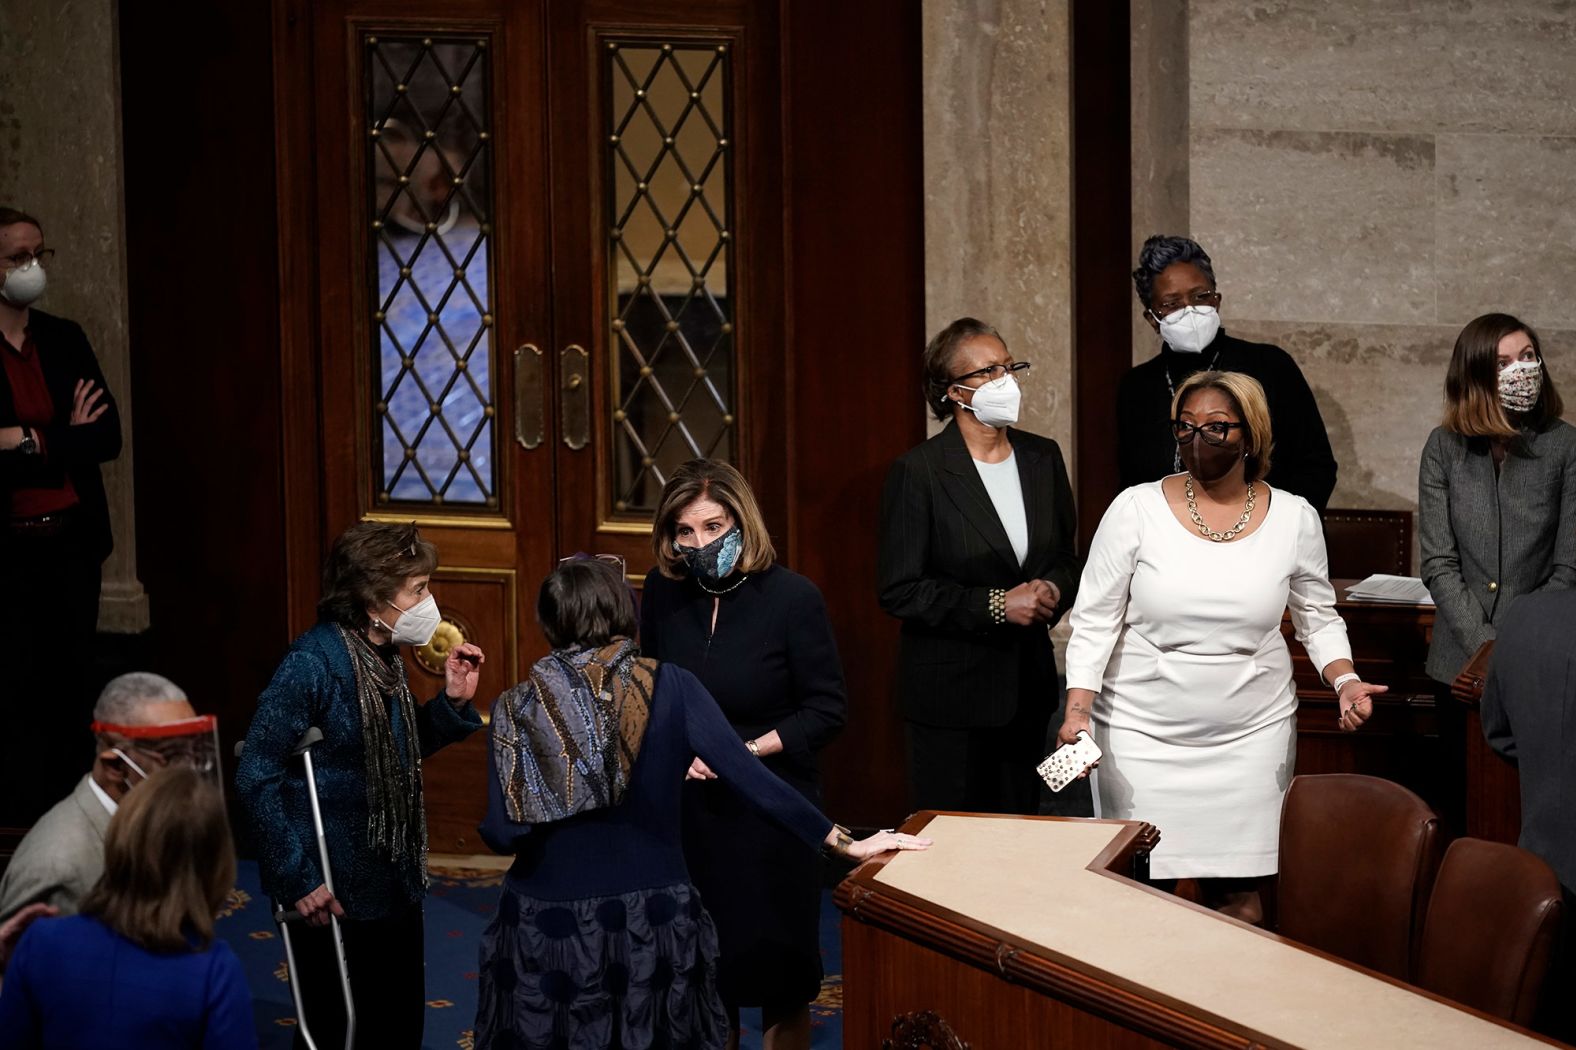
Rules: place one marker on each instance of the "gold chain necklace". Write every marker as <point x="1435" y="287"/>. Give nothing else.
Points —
<point x="1218" y="537"/>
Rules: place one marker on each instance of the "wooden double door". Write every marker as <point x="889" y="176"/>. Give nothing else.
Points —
<point x="548" y="248"/>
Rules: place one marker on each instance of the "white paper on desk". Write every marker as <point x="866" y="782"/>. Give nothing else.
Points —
<point x="1406" y="590"/>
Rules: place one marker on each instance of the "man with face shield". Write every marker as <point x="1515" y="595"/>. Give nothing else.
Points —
<point x="1175" y="282"/>
<point x="58" y="423"/>
<point x="143" y="723"/>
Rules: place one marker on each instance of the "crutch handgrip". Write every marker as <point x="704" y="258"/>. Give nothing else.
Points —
<point x="310" y="737"/>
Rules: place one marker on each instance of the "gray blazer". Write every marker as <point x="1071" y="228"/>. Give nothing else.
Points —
<point x="1486" y="539"/>
<point x="61" y="858"/>
<point x="1529" y="716"/>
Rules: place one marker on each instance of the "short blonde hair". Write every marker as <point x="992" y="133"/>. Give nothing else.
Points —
<point x="1247" y="397"/>
<point x="710" y="478"/>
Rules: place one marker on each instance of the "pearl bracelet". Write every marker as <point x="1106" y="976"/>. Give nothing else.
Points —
<point x="1350" y="676"/>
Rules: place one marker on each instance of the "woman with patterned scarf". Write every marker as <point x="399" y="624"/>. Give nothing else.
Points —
<point x="345" y="676"/>
<point x="600" y="940"/>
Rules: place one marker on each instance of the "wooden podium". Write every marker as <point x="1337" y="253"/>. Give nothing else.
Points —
<point x="1024" y="932"/>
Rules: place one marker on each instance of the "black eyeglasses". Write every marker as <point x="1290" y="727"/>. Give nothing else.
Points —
<point x="21" y="259"/>
<point x="1212" y="433"/>
<point x="991" y="373"/>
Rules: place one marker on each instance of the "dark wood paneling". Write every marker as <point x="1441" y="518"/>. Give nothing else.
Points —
<point x="855" y="229"/>
<point x="483" y="602"/>
<point x="203" y="289"/>
<point x="1493" y="788"/>
<point x="889" y="978"/>
<point x="1400" y="742"/>
<point x="1102" y="243"/>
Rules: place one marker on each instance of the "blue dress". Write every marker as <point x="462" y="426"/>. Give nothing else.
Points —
<point x="600" y="940"/>
<point x="75" y="984"/>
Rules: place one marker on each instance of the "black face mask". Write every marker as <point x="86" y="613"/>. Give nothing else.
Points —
<point x="1208" y="462"/>
<point x="714" y="561"/>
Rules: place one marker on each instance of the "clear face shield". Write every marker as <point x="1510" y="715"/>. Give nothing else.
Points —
<point x="189" y="742"/>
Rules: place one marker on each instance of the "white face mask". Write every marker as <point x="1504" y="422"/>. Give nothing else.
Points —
<point x="24" y="284"/>
<point x="1520" y="383"/>
<point x="416" y="625"/>
<point x="1190" y="329"/>
<point x="996" y="403"/>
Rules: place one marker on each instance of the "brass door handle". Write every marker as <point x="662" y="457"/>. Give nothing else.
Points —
<point x="574" y="364"/>
<point x="529" y="417"/>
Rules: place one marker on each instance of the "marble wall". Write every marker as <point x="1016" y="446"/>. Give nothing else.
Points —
<point x="998" y="179"/>
<point x="60" y="160"/>
<point x="1369" y="175"/>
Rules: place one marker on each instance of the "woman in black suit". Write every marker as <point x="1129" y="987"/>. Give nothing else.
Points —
<point x="758" y="638"/>
<point x="978" y="559"/>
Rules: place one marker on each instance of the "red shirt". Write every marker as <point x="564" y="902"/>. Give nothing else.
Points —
<point x="35" y="408"/>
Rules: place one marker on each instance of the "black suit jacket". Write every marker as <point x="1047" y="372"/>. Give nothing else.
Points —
<point x="943" y="550"/>
<point x="1529" y="716"/>
<point x="74" y="452"/>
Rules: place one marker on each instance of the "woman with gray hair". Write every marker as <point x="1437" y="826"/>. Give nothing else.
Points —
<point x="1175" y="282"/>
<point x="346" y="677"/>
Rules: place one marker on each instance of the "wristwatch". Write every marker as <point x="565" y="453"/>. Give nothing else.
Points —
<point x="29" y="446"/>
<point x="755" y="749"/>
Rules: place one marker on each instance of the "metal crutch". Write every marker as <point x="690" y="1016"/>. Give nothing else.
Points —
<point x="284" y="915"/>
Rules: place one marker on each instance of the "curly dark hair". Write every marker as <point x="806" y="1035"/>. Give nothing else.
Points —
<point x="368" y="565"/>
<point x="937" y="368"/>
<point x="1163" y="250"/>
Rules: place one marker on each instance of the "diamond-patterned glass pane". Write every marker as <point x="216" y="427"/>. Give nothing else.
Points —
<point x="671" y="237"/>
<point x="429" y="243"/>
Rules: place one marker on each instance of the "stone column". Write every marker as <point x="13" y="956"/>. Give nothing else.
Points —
<point x="998" y="187"/>
<point x="1160" y="135"/>
<point x="60" y="160"/>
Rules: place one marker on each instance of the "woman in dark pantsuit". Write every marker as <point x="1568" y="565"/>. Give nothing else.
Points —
<point x="758" y="638"/>
<point x="979" y="560"/>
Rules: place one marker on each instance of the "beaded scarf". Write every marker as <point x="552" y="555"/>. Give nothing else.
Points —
<point x="565" y="740"/>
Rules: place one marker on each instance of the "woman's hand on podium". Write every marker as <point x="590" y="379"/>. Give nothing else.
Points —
<point x="885" y="842"/>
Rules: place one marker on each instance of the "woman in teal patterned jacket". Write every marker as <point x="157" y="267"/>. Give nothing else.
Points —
<point x="345" y="677"/>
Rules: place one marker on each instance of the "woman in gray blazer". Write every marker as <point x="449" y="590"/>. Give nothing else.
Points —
<point x="1496" y="507"/>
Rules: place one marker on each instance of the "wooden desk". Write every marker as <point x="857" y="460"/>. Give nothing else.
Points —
<point x="1023" y="932"/>
<point x="1401" y="740"/>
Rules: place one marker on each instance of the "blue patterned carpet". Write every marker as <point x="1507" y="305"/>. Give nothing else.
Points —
<point x="460" y="904"/>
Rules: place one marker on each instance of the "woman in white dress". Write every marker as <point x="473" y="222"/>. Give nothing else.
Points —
<point x="1177" y="666"/>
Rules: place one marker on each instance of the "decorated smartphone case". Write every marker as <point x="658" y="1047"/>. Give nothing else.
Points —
<point x="1062" y="766"/>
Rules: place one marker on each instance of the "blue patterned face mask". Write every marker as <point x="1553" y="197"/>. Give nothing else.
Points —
<point x="715" y="560"/>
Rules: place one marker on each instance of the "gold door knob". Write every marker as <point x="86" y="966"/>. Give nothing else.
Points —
<point x="435" y="653"/>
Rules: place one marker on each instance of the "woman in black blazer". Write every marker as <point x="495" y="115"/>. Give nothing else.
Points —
<point x="759" y="639"/>
<point x="979" y="560"/>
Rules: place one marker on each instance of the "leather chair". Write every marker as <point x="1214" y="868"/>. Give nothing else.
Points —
<point x="1493" y="925"/>
<point x="1363" y="542"/>
<point x="1358" y="856"/>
